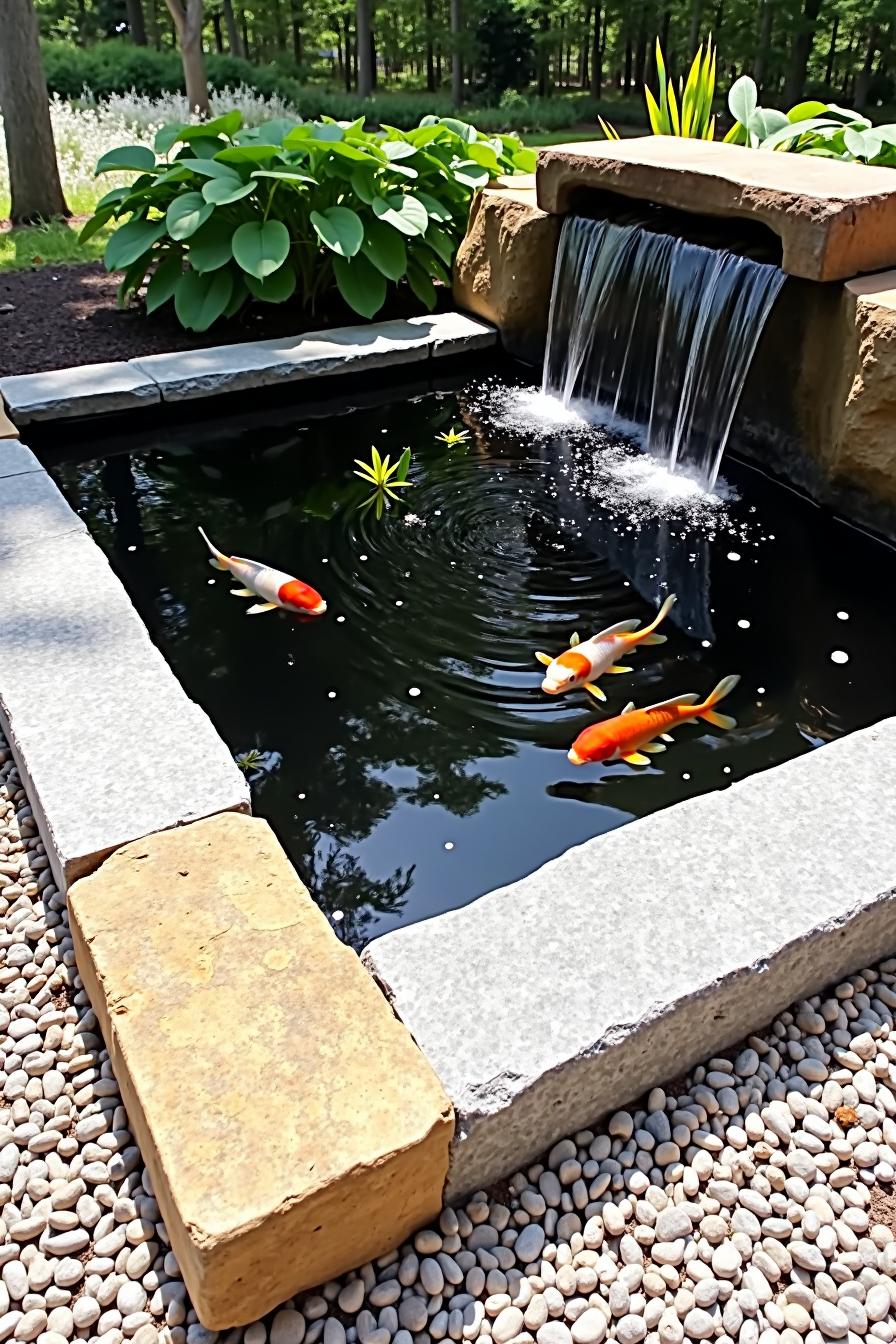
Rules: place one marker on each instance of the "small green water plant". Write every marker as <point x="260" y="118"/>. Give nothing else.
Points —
<point x="453" y="436"/>
<point x="219" y="213"/>
<point x="386" y="477"/>
<point x="823" y="130"/>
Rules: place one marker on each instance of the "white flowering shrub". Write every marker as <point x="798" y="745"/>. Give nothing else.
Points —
<point x="86" y="130"/>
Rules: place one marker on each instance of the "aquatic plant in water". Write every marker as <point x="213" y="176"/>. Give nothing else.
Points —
<point x="453" y="436"/>
<point x="385" y="477"/>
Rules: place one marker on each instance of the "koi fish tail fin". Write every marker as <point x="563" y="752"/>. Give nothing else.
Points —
<point x="217" y="560"/>
<point x="707" y="711"/>
<point x="646" y="636"/>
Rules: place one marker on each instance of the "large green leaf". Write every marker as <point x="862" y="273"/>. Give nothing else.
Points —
<point x="327" y="131"/>
<point x="186" y="214"/>
<point x="363" y="184"/>
<point x="113" y="197"/>
<point x="164" y="279"/>
<point x="260" y="247"/>
<point x="96" y="222"/>
<point x="210" y="168"/>
<point x="139" y="158"/>
<point x="422" y="286"/>
<point x="167" y="136"/>
<point x="441" y="243"/>
<point x="199" y="300"/>
<point x="227" y="124"/>
<point x="788" y="131"/>
<point x="223" y="191"/>
<point x="385" y="247"/>
<point x="404" y="213"/>
<point x="339" y="229"/>
<point x="802" y="111"/>
<point x="397" y="149"/>
<point x="129" y="242"/>
<point x="247" y="154"/>
<point x="471" y="174"/>
<point x="210" y="246"/>
<point x="276" y="288"/>
<point x="435" y="209"/>
<point x="360" y="284"/>
<point x="862" y="144"/>
<point x="286" y="174"/>
<point x="742" y="99"/>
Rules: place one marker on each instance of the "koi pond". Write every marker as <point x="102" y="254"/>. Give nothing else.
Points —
<point x="401" y="744"/>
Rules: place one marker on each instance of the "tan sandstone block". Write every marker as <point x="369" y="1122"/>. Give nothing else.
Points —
<point x="835" y="220"/>
<point x="7" y="428"/>
<point x="505" y="265"/>
<point x="291" y="1126"/>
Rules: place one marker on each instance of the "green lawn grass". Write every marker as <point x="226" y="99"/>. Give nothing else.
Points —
<point x="54" y="244"/>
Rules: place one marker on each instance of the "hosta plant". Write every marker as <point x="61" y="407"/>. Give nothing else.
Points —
<point x="219" y="213"/>
<point x="820" y="129"/>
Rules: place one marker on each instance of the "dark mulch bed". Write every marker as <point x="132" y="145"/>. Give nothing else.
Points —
<point x="67" y="315"/>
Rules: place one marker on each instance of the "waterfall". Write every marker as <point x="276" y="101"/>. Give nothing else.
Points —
<point x="657" y="332"/>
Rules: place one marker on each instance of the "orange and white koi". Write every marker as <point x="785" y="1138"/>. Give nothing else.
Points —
<point x="275" y="588"/>
<point x="587" y="660"/>
<point x="633" y="731"/>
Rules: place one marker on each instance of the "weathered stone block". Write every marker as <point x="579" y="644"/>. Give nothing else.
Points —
<point x="505" y="265"/>
<point x="861" y="442"/>
<point x="230" y="368"/>
<point x="16" y="459"/>
<point x="89" y="389"/>
<point x="550" y="1002"/>
<point x="835" y="220"/>
<point x="109" y="744"/>
<point x="7" y="428"/>
<point x="292" y="1128"/>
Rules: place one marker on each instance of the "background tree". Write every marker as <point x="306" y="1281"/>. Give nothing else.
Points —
<point x="35" y="188"/>
<point x="188" y="17"/>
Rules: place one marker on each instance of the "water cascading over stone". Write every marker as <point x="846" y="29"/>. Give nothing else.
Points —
<point x="656" y="332"/>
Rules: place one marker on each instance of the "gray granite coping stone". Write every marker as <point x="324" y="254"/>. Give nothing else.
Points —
<point x="16" y="458"/>
<point x="186" y="375"/>
<point x="189" y="374"/>
<point x="61" y="393"/>
<point x="547" y="1003"/>
<point x="32" y="510"/>
<point x="109" y="745"/>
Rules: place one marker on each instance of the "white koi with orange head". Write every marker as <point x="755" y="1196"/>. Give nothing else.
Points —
<point x="587" y="660"/>
<point x="273" y="586"/>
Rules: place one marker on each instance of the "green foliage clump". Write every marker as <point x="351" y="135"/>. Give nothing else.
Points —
<point x="823" y="130"/>
<point x="689" y="113"/>
<point x="221" y="214"/>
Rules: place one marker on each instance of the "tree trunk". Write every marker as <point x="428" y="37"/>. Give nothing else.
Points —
<point x="373" y="68"/>
<point x="296" y="25"/>
<point x="596" y="79"/>
<point x="364" y="48"/>
<point x="33" y="171"/>
<point x="832" y="53"/>
<point x="584" y="48"/>
<point x="694" y="33"/>
<point x="244" y="29"/>
<point x="188" y="24"/>
<point x="863" y="79"/>
<point x="430" y="51"/>
<point x="457" y="61"/>
<point x="765" y="42"/>
<point x="136" y="25"/>
<point x="629" y="57"/>
<point x="218" y="31"/>
<point x="234" y="40"/>
<point x="347" y="39"/>
<point x="800" y="52"/>
<point x="544" y="53"/>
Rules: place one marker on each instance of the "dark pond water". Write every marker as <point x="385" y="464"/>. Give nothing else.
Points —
<point x="410" y="761"/>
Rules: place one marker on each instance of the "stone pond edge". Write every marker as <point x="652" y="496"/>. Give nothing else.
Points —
<point x="95" y="389"/>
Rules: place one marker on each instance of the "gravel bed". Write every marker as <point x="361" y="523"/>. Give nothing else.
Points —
<point x="749" y="1202"/>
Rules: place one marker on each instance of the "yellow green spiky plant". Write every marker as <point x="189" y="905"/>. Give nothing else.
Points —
<point x="689" y="112"/>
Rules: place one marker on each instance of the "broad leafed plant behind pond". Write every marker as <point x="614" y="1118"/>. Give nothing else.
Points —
<point x="220" y="213"/>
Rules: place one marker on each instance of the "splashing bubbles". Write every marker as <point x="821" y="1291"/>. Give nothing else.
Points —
<point x="842" y="615"/>
<point x="734" y="555"/>
<point x="839" y="656"/>
<point x="331" y="695"/>
<point x="337" y="915"/>
<point x="414" y="691"/>
<point x="449" y="844"/>
<point x="744" y="624"/>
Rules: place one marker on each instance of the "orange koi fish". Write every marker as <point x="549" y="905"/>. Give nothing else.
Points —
<point x="274" y="587"/>
<point x="624" y="737"/>
<point x="586" y="660"/>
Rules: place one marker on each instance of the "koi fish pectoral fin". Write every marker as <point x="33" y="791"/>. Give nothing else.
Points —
<point x="620" y="628"/>
<point x="619" y="668"/>
<point x="637" y="758"/>
<point x="628" y="709"/>
<point x="216" y="564"/>
<point x="574" y="640"/>
<point x="654" y="747"/>
<point x="655" y="639"/>
<point x="666" y="737"/>
<point x="242" y="592"/>
<point x="594" y="690"/>
<point x="260" y="607"/>
<point x="719" y="720"/>
<point x="544" y="658"/>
